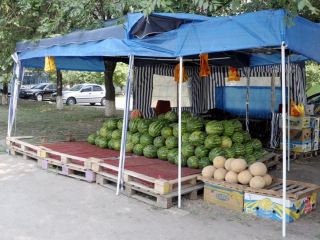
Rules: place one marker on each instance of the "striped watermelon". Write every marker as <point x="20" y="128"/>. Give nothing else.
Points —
<point x="116" y="134"/>
<point x="212" y="141"/>
<point x="237" y="125"/>
<point x="185" y="116"/>
<point x="239" y="149"/>
<point x="150" y="151"/>
<point x="159" y="141"/>
<point x="110" y="144"/>
<point x="133" y="125"/>
<point x="91" y="138"/>
<point x="226" y="142"/>
<point x="229" y="152"/>
<point x="258" y="154"/>
<point x="187" y="150"/>
<point x="246" y="137"/>
<point x="183" y="160"/>
<point x="256" y="144"/>
<point x="176" y="129"/>
<point x="214" y="128"/>
<point x="204" y="161"/>
<point x="193" y="162"/>
<point x="146" y="139"/>
<point x="194" y="124"/>
<point x="155" y="128"/>
<point x="166" y="132"/>
<point x="185" y="138"/>
<point x="171" y="116"/>
<point x="215" y="153"/>
<point x="237" y="137"/>
<point x="129" y="147"/>
<point x="138" y="149"/>
<point x="172" y="153"/>
<point x="111" y="123"/>
<point x="197" y="138"/>
<point x="201" y="151"/>
<point x="143" y="125"/>
<point x="120" y="124"/>
<point x="163" y="153"/>
<point x="228" y="128"/>
<point x="171" y="142"/>
<point x="249" y="148"/>
<point x="135" y="138"/>
<point x="250" y="159"/>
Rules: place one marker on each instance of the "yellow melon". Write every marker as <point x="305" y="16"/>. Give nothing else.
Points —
<point x="220" y="174"/>
<point x="257" y="182"/>
<point x="227" y="164"/>
<point x="268" y="179"/>
<point x="208" y="171"/>
<point x="238" y="165"/>
<point x="244" y="177"/>
<point x="258" y="169"/>
<point x="231" y="177"/>
<point x="218" y="162"/>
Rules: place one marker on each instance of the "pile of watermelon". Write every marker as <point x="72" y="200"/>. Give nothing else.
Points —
<point x="202" y="140"/>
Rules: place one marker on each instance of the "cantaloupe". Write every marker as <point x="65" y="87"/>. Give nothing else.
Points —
<point x="268" y="179"/>
<point x="218" y="162"/>
<point x="219" y="174"/>
<point x="257" y="182"/>
<point x="208" y="171"/>
<point x="244" y="177"/>
<point x="227" y="164"/>
<point x="231" y="177"/>
<point x="238" y="165"/>
<point x="258" y="169"/>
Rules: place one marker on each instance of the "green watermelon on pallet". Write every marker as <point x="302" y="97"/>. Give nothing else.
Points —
<point x="161" y="116"/>
<point x="110" y="144"/>
<point x="193" y="162"/>
<point x="129" y="147"/>
<point x="120" y="124"/>
<point x="91" y="138"/>
<point x="187" y="150"/>
<point x="228" y="128"/>
<point x="97" y="140"/>
<point x="185" y="138"/>
<point x="103" y="132"/>
<point x="229" y="152"/>
<point x="171" y="142"/>
<point x="143" y="125"/>
<point x="258" y="154"/>
<point x="212" y="141"/>
<point x="226" y="142"/>
<point x="146" y="139"/>
<point x="159" y="141"/>
<point x="135" y="138"/>
<point x="197" y="138"/>
<point x="237" y="137"/>
<point x="204" y="161"/>
<point x="256" y="144"/>
<point x="201" y="151"/>
<point x="185" y="116"/>
<point x="156" y="127"/>
<point x="176" y="129"/>
<point x="166" y="132"/>
<point x="215" y="153"/>
<point x="138" y="149"/>
<point x="133" y="125"/>
<point x="171" y="116"/>
<point x="194" y="124"/>
<point x="111" y="124"/>
<point x="103" y="143"/>
<point x="246" y="137"/>
<point x="116" y="134"/>
<point x="183" y="160"/>
<point x="172" y="153"/>
<point x="150" y="151"/>
<point x="239" y="149"/>
<point x="163" y="153"/>
<point x="237" y="125"/>
<point x="250" y="159"/>
<point x="248" y="148"/>
<point x="116" y="144"/>
<point x="214" y="128"/>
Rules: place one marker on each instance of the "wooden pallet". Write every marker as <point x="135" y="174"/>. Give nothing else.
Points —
<point x="271" y="160"/>
<point x="18" y="147"/>
<point x="149" y="184"/>
<point x="221" y="183"/>
<point x="305" y="155"/>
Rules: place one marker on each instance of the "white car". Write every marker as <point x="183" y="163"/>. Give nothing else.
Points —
<point x="85" y="93"/>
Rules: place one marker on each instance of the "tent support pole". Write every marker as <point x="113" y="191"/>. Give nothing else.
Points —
<point x="289" y="107"/>
<point x="125" y="126"/>
<point x="284" y="133"/>
<point x="247" y="73"/>
<point x="179" y="140"/>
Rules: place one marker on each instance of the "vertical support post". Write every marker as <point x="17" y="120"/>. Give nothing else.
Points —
<point x="179" y="139"/>
<point x="289" y="107"/>
<point x="247" y="72"/>
<point x="125" y="126"/>
<point x="284" y="139"/>
<point x="59" y="102"/>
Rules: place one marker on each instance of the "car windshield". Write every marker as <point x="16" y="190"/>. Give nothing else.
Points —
<point x="76" y="88"/>
<point x="39" y="86"/>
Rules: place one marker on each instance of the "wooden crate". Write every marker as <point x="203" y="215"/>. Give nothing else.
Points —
<point x="18" y="147"/>
<point x="143" y="182"/>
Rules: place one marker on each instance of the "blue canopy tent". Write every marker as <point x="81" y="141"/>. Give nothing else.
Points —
<point x="264" y="36"/>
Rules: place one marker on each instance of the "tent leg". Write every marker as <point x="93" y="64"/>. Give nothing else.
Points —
<point x="247" y="72"/>
<point x="124" y="127"/>
<point x="289" y="99"/>
<point x="179" y="139"/>
<point x="284" y="139"/>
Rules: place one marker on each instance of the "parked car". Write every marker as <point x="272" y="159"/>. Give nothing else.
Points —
<point x="39" y="92"/>
<point x="84" y="93"/>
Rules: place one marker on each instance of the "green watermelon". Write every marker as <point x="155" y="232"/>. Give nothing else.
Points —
<point x="185" y="138"/>
<point x="193" y="162"/>
<point x="143" y="125"/>
<point x="111" y="123"/>
<point x="197" y="138"/>
<point x="172" y="153"/>
<point x="116" y="144"/>
<point x="216" y="152"/>
<point x="229" y="153"/>
<point x="166" y="132"/>
<point x="183" y="161"/>
<point x="103" y="132"/>
<point x="116" y="134"/>
<point x="204" y="161"/>
<point x="110" y="144"/>
<point x="250" y="159"/>
<point x="171" y="116"/>
<point x="176" y="129"/>
<point x="159" y="141"/>
<point x="120" y="124"/>
<point x="129" y="147"/>
<point x="239" y="149"/>
<point x="214" y="128"/>
<point x="171" y="142"/>
<point x="226" y="142"/>
<point x="161" y="116"/>
<point x="138" y="149"/>
<point x="103" y="143"/>
<point x="129" y="137"/>
<point x="212" y="141"/>
<point x="256" y="144"/>
<point x="228" y="128"/>
<point x="146" y="139"/>
<point x="150" y="151"/>
<point x="246" y="137"/>
<point x="155" y="128"/>
<point x="97" y="140"/>
<point x="258" y="154"/>
<point x="248" y="148"/>
<point x="194" y="125"/>
<point x="237" y="125"/>
<point x="185" y="116"/>
<point x="133" y="125"/>
<point x="162" y="153"/>
<point x="237" y="137"/>
<point x="135" y="138"/>
<point x="91" y="138"/>
<point x="187" y="150"/>
<point x="201" y="151"/>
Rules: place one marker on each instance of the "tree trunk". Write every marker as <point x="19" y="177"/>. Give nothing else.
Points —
<point x="4" y="95"/>
<point x="59" y="91"/>
<point x="110" y="108"/>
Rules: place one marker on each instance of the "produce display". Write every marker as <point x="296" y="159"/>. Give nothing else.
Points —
<point x="237" y="170"/>
<point x="203" y="141"/>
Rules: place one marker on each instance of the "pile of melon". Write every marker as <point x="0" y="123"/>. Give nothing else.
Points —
<point x="236" y="170"/>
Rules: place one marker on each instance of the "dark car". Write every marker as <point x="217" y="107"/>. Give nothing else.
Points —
<point x="39" y="92"/>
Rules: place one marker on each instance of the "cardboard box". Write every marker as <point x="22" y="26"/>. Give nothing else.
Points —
<point x="299" y="147"/>
<point x="300" y="135"/>
<point x="223" y="196"/>
<point x="271" y="207"/>
<point x="298" y="122"/>
<point x="315" y="145"/>
<point x="315" y="123"/>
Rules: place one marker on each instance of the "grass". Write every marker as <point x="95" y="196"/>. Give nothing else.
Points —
<point x="45" y="123"/>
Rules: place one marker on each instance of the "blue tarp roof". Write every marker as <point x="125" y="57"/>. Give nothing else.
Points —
<point x="262" y="29"/>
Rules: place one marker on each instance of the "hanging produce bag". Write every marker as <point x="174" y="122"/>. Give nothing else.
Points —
<point x="49" y="64"/>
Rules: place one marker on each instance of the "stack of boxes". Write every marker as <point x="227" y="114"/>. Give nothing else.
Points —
<point x="304" y="134"/>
